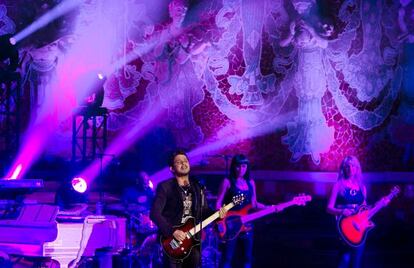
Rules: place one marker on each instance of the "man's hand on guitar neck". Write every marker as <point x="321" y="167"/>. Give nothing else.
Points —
<point x="222" y="212"/>
<point x="180" y="235"/>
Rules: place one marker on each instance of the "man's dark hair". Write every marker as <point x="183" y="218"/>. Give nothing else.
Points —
<point x="174" y="154"/>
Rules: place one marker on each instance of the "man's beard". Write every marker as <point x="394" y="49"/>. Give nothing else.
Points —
<point x="178" y="173"/>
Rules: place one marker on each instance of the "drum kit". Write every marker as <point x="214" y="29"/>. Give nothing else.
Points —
<point x="142" y="248"/>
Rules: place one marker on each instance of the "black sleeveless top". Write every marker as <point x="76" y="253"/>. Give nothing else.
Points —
<point x="234" y="190"/>
<point x="347" y="196"/>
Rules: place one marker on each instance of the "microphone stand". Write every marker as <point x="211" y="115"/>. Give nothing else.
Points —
<point x="201" y="222"/>
<point x="100" y="204"/>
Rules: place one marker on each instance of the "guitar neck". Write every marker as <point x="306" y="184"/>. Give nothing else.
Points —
<point x="266" y="211"/>
<point x="209" y="220"/>
<point x="379" y="205"/>
<point x="374" y="210"/>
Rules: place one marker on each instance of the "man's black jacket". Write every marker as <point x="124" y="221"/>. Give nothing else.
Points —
<point x="167" y="208"/>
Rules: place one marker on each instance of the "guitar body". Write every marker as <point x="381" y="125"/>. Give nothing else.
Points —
<point x="354" y="228"/>
<point x="175" y="249"/>
<point x="230" y="227"/>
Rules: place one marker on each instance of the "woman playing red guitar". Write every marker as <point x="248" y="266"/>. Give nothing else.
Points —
<point x="347" y="195"/>
<point x="239" y="182"/>
<point x="348" y="203"/>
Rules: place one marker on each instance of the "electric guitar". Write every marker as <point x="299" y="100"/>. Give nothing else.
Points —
<point x="354" y="228"/>
<point x="180" y="250"/>
<point x="234" y="222"/>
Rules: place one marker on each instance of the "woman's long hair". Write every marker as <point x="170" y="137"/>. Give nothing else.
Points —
<point x="350" y="160"/>
<point x="237" y="160"/>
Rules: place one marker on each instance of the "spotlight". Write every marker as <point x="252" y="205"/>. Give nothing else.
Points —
<point x="150" y="184"/>
<point x="16" y="172"/>
<point x="79" y="185"/>
<point x="12" y="41"/>
<point x="8" y="52"/>
<point x="101" y="76"/>
<point x="48" y="17"/>
<point x="95" y="96"/>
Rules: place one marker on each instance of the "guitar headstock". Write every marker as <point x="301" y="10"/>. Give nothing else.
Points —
<point x="302" y="199"/>
<point x="238" y="199"/>
<point x="395" y="191"/>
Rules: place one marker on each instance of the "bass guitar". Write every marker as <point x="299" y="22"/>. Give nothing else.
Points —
<point x="180" y="250"/>
<point x="354" y="228"/>
<point x="234" y="222"/>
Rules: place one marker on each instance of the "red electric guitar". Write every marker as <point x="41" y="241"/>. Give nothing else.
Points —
<point x="180" y="250"/>
<point x="354" y="228"/>
<point x="234" y="222"/>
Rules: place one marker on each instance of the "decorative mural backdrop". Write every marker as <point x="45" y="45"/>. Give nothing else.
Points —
<point x="312" y="80"/>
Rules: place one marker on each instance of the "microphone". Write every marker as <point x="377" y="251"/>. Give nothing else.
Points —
<point x="202" y="189"/>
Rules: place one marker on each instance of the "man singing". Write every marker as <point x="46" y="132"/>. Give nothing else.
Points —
<point x="175" y="201"/>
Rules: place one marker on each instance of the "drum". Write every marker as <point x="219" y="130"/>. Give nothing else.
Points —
<point x="143" y="223"/>
<point x="125" y="260"/>
<point x="150" y="252"/>
<point x="210" y="243"/>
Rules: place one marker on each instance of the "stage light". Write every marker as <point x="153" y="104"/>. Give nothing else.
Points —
<point x="79" y="184"/>
<point x="150" y="184"/>
<point x="50" y="16"/>
<point x="8" y="52"/>
<point x="16" y="172"/>
<point x="101" y="76"/>
<point x="145" y="121"/>
<point x="95" y="92"/>
<point x="12" y="41"/>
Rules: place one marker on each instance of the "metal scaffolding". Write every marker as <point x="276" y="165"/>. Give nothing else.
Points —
<point x="89" y="133"/>
<point x="10" y="98"/>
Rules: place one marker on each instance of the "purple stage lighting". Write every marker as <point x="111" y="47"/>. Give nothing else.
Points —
<point x="146" y="120"/>
<point x="101" y="76"/>
<point x="91" y="51"/>
<point x="50" y="16"/>
<point x="16" y="172"/>
<point x="231" y="134"/>
<point x="79" y="185"/>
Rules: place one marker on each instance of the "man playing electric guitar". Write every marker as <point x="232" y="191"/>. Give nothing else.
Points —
<point x="177" y="200"/>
